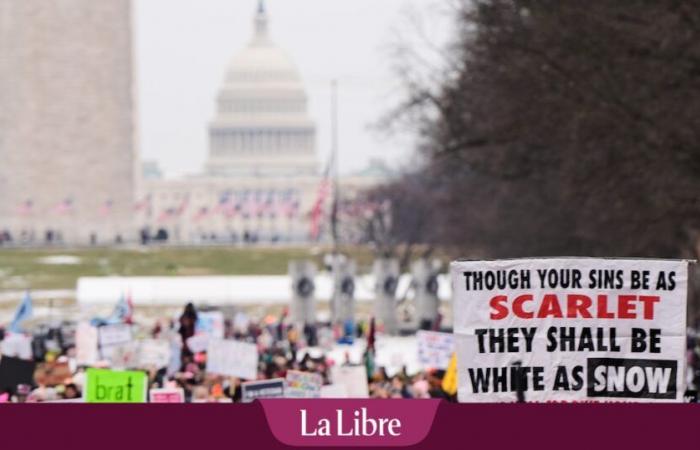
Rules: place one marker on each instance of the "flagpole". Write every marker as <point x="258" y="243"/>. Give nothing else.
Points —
<point x="336" y="166"/>
<point x="336" y="187"/>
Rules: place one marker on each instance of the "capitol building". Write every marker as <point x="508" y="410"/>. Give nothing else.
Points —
<point x="262" y="179"/>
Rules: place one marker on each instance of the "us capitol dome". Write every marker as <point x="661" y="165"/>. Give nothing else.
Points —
<point x="261" y="176"/>
<point x="261" y="181"/>
<point x="262" y="126"/>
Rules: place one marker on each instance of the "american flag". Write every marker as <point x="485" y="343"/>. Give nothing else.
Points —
<point x="238" y="204"/>
<point x="289" y="204"/>
<point x="123" y="310"/>
<point x="106" y="208"/>
<point x="270" y="205"/>
<point x="180" y="211"/>
<point x="232" y="210"/>
<point x="260" y="205"/>
<point x="26" y="208"/>
<point x="166" y="215"/>
<point x="290" y="209"/>
<point x="64" y="207"/>
<point x="224" y="203"/>
<point x="248" y="205"/>
<point x="324" y="191"/>
<point x="201" y="214"/>
<point x="144" y="204"/>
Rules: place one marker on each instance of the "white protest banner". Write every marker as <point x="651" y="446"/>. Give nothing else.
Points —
<point x="18" y="346"/>
<point x="166" y="395"/>
<point x="175" y="352"/>
<point x="124" y="356"/>
<point x="241" y="322"/>
<point x="303" y="384"/>
<point x="354" y="378"/>
<point x="334" y="391"/>
<point x="113" y="337"/>
<point x="232" y="358"/>
<point x="570" y="329"/>
<point x="435" y="349"/>
<point x="198" y="343"/>
<point x="143" y="354"/>
<point x="115" y="334"/>
<point x="86" y="351"/>
<point x="154" y="353"/>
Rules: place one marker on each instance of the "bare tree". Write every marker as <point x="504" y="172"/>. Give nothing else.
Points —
<point x="566" y="127"/>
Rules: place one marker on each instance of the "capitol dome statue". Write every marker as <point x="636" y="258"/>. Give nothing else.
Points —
<point x="262" y="127"/>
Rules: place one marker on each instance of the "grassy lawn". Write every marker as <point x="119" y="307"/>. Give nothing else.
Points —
<point x="23" y="269"/>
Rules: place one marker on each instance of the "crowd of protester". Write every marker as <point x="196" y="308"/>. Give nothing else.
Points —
<point x="281" y="347"/>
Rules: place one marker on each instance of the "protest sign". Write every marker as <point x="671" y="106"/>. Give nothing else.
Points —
<point x="303" y="385"/>
<point x="112" y="337"/>
<point x="241" y="322"/>
<point x="175" y="350"/>
<point x="15" y="371"/>
<point x="145" y="354"/>
<point x="570" y="329"/>
<point x="115" y="334"/>
<point x="18" y="346"/>
<point x="124" y="356"/>
<point x="354" y="378"/>
<point x="334" y="391"/>
<point x="107" y="386"/>
<point x="86" y="344"/>
<point x="435" y="349"/>
<point x="252" y="390"/>
<point x="232" y="358"/>
<point x="154" y="353"/>
<point x="198" y="343"/>
<point x="210" y="323"/>
<point x="167" y="396"/>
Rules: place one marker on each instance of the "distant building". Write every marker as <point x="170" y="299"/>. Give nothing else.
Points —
<point x="67" y="154"/>
<point x="262" y="128"/>
<point x="262" y="178"/>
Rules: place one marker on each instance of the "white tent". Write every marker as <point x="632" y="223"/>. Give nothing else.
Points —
<point x="222" y="290"/>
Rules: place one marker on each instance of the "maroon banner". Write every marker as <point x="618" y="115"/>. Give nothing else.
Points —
<point x="357" y="423"/>
<point x="448" y="426"/>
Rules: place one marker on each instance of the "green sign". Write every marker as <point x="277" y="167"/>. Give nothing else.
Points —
<point x="106" y="386"/>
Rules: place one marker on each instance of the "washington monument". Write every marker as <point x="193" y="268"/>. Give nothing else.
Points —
<point x="67" y="152"/>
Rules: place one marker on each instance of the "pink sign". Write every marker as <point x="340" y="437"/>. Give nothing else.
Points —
<point x="167" y="396"/>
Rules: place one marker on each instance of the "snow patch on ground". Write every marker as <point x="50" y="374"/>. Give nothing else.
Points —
<point x="60" y="260"/>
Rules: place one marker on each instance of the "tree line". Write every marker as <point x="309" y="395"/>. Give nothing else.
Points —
<point x="558" y="128"/>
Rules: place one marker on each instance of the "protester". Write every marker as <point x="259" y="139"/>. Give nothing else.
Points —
<point x="188" y="321"/>
<point x="281" y="348"/>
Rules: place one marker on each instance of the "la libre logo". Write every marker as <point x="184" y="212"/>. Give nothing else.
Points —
<point x="356" y="424"/>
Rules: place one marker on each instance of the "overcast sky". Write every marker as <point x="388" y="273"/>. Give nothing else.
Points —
<point x="184" y="47"/>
